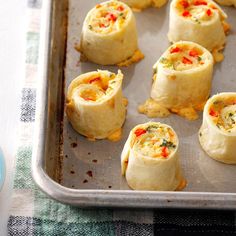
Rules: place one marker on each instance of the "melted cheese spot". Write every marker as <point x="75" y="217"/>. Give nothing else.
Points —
<point x="137" y="56"/>
<point x="226" y="27"/>
<point x="217" y="55"/>
<point x="189" y="113"/>
<point x="116" y="136"/>
<point x="152" y="109"/>
<point x="200" y="106"/>
<point x="182" y="185"/>
<point x="77" y="47"/>
<point x="125" y="101"/>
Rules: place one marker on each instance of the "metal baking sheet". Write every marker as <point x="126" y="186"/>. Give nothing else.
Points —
<point x="76" y="171"/>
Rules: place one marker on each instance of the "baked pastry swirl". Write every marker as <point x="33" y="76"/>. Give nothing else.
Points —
<point x="217" y="135"/>
<point x="199" y="21"/>
<point x="109" y="34"/>
<point x="149" y="160"/>
<point x="94" y="104"/>
<point x="182" y="79"/>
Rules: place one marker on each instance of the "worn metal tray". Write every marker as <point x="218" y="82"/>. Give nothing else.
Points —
<point x="73" y="170"/>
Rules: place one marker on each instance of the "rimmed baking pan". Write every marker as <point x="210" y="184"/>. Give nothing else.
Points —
<point x="76" y="171"/>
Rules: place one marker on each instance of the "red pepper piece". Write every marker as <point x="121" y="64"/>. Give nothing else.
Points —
<point x="209" y="12"/>
<point x="101" y="25"/>
<point x="213" y="113"/>
<point x="184" y="4"/>
<point x="185" y="60"/>
<point x="164" y="152"/>
<point x="139" y="132"/>
<point x="186" y="14"/>
<point x="120" y="8"/>
<point x="94" y="80"/>
<point x="193" y="53"/>
<point x="88" y="99"/>
<point x="199" y="3"/>
<point x="112" y="17"/>
<point x="175" y="50"/>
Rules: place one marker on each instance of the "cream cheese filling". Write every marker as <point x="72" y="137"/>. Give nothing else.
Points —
<point x="155" y="141"/>
<point x="108" y="17"/>
<point x="223" y="114"/>
<point x="97" y="87"/>
<point x="199" y="11"/>
<point x="183" y="57"/>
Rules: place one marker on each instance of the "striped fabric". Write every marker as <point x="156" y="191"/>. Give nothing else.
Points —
<point x="33" y="213"/>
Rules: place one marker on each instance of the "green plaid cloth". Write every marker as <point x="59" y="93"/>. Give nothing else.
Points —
<point x="34" y="213"/>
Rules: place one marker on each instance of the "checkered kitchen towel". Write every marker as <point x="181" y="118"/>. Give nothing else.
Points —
<point x="33" y="213"/>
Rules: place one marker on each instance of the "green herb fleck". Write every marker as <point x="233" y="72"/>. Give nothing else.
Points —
<point x="166" y="62"/>
<point x="168" y="144"/>
<point x="149" y="128"/>
<point x="200" y="134"/>
<point x="199" y="58"/>
<point x="90" y="27"/>
<point x="196" y="20"/>
<point x="163" y="60"/>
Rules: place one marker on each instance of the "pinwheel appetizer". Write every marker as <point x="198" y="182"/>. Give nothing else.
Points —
<point x="109" y="35"/>
<point x="182" y="81"/>
<point x="227" y="2"/>
<point x="217" y="135"/>
<point x="199" y="21"/>
<point x="149" y="160"/>
<point x="94" y="104"/>
<point x="141" y="4"/>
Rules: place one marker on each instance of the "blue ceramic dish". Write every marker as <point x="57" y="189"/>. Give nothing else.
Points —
<point x="2" y="169"/>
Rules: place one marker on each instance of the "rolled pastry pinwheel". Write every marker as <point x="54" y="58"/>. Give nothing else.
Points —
<point x="94" y="104"/>
<point x="199" y="21"/>
<point x="182" y="78"/>
<point x="150" y="161"/>
<point x="227" y="2"/>
<point x="141" y="4"/>
<point x="217" y="135"/>
<point x="109" y="35"/>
